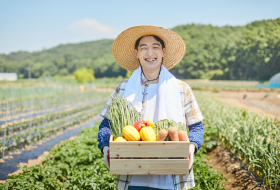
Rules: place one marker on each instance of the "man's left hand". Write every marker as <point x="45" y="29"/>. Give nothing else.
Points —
<point x="191" y="155"/>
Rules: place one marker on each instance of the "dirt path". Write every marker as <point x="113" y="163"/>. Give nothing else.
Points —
<point x="237" y="178"/>
<point x="267" y="103"/>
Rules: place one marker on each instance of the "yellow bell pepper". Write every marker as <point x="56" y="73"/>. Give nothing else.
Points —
<point x="151" y="123"/>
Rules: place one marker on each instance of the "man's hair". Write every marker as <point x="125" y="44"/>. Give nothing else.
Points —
<point x="156" y="38"/>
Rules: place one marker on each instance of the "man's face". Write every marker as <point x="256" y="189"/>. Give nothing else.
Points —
<point x="150" y="53"/>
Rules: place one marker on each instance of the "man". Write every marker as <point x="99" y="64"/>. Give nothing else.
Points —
<point x="149" y="52"/>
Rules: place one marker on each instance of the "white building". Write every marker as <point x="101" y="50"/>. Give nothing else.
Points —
<point x="8" y="76"/>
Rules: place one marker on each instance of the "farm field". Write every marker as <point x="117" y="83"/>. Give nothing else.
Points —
<point x="29" y="115"/>
<point x="79" y="164"/>
<point x="107" y="82"/>
<point x="251" y="139"/>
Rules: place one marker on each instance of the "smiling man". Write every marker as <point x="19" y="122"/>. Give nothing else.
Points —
<point x="149" y="52"/>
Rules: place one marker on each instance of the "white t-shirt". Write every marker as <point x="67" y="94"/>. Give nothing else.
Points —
<point x="155" y="181"/>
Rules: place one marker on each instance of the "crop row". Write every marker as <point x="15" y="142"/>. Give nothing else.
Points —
<point x="44" y="102"/>
<point x="40" y="120"/>
<point x="252" y="138"/>
<point x="32" y="135"/>
<point x="79" y="164"/>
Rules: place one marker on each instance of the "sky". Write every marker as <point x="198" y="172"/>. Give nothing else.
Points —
<point x="31" y="25"/>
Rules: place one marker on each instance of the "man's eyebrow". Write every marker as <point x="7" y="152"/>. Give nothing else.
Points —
<point x="152" y="44"/>
<point x="156" y="44"/>
<point x="143" y="45"/>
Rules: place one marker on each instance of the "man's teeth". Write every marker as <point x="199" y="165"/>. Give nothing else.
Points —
<point x="150" y="59"/>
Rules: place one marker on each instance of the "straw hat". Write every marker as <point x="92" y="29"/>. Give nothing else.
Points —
<point x="124" y="44"/>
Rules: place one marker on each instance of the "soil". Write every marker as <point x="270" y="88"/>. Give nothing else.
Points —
<point x="237" y="178"/>
<point x="267" y="103"/>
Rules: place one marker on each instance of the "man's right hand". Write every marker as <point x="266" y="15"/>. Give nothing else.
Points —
<point x="106" y="151"/>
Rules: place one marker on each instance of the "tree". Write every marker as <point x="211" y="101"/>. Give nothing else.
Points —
<point x="249" y="52"/>
<point x="84" y="75"/>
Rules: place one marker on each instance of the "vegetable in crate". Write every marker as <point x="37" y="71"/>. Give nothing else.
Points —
<point x="166" y="124"/>
<point x="148" y="134"/>
<point x="173" y="134"/>
<point x="162" y="135"/>
<point x="139" y="124"/>
<point x="120" y="139"/>
<point x="121" y="113"/>
<point x="151" y="123"/>
<point x="183" y="136"/>
<point x="130" y="133"/>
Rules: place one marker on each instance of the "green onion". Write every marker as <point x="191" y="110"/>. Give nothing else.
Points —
<point x="121" y="113"/>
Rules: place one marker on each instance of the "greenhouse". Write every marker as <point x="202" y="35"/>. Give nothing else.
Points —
<point x="274" y="81"/>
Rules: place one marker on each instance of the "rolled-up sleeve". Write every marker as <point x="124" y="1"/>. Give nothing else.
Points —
<point x="104" y="134"/>
<point x="193" y="117"/>
<point x="196" y="133"/>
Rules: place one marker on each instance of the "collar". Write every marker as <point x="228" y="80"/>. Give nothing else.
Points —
<point x="143" y="79"/>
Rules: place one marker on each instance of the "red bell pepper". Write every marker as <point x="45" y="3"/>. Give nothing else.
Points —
<point x="139" y="124"/>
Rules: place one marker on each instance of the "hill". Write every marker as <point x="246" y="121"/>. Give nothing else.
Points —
<point x="250" y="52"/>
<point x="64" y="60"/>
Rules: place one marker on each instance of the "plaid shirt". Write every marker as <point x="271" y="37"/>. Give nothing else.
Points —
<point x="191" y="113"/>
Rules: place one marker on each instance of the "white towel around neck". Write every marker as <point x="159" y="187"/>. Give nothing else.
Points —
<point x="168" y="100"/>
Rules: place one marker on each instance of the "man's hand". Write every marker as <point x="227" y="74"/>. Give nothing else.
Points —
<point x="106" y="151"/>
<point x="191" y="153"/>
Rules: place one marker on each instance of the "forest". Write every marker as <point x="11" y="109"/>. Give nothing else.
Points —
<point x="250" y="52"/>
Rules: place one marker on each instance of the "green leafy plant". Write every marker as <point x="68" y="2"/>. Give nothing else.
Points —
<point x="252" y="138"/>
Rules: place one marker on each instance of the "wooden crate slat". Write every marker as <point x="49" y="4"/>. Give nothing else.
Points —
<point x="170" y="149"/>
<point x="149" y="166"/>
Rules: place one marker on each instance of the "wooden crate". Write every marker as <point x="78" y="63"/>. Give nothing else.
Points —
<point x="149" y="157"/>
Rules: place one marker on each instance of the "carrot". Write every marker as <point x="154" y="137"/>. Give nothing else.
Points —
<point x="162" y="134"/>
<point x="173" y="134"/>
<point x="183" y="136"/>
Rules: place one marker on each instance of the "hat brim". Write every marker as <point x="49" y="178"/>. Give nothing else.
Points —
<point x="124" y="45"/>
